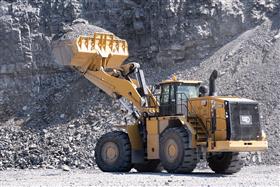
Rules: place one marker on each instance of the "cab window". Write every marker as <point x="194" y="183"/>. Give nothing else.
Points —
<point x="164" y="94"/>
<point x="185" y="91"/>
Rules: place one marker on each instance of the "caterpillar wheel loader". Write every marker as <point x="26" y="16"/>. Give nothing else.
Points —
<point x="173" y="129"/>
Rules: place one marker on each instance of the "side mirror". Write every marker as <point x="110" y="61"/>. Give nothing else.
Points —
<point x="154" y="88"/>
<point x="157" y="86"/>
<point x="203" y="90"/>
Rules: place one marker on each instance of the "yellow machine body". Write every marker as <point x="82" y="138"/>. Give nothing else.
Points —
<point x="202" y="108"/>
<point x="100" y="59"/>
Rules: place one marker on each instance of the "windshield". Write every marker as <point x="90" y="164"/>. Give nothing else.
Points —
<point x="189" y="91"/>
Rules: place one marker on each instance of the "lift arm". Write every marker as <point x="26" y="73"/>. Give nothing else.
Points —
<point x="100" y="59"/>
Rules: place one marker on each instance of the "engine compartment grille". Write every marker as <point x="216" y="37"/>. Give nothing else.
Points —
<point x="243" y="120"/>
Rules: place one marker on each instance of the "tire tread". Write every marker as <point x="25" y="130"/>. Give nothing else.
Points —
<point x="124" y="163"/>
<point x="189" y="160"/>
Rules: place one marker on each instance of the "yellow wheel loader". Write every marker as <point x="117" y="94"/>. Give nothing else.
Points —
<point x="173" y="129"/>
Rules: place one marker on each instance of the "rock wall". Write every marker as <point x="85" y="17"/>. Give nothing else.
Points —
<point x="38" y="96"/>
<point x="159" y="33"/>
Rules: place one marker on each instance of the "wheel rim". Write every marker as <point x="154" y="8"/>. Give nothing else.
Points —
<point x="110" y="152"/>
<point x="171" y="150"/>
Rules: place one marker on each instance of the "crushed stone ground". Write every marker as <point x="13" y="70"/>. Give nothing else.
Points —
<point x="249" y="176"/>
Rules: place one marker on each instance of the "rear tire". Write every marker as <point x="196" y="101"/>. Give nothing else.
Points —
<point x="225" y="162"/>
<point x="149" y="166"/>
<point x="113" y="152"/>
<point x="176" y="155"/>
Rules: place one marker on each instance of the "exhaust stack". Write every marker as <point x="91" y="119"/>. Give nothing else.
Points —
<point x="212" y="86"/>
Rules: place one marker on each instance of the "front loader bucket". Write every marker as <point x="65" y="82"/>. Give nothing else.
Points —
<point x="91" y="52"/>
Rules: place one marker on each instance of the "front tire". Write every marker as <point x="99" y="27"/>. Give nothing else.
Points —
<point x="176" y="155"/>
<point x="225" y="162"/>
<point x="113" y="152"/>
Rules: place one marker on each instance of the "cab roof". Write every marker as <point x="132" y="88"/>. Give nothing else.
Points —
<point x="180" y="81"/>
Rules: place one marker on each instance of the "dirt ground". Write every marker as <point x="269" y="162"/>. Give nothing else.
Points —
<point x="249" y="176"/>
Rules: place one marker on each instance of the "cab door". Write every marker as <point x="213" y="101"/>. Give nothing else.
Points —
<point x="173" y="101"/>
<point x="167" y="100"/>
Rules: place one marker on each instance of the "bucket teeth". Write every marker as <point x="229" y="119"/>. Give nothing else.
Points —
<point x="102" y="50"/>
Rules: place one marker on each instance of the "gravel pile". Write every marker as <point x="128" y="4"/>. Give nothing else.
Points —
<point x="57" y="141"/>
<point x="77" y="28"/>
<point x="50" y="148"/>
<point x="249" y="67"/>
<point x="47" y="132"/>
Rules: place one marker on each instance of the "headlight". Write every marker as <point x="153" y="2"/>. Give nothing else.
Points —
<point x="245" y="119"/>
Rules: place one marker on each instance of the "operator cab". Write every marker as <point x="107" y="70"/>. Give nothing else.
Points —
<point x="175" y="94"/>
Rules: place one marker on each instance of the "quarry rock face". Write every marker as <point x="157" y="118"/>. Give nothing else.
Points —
<point x="48" y="112"/>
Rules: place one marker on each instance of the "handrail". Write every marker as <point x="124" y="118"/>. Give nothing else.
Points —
<point x="183" y="104"/>
<point x="196" y="117"/>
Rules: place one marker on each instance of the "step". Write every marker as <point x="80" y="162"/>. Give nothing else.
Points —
<point x="201" y="143"/>
<point x="198" y="137"/>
